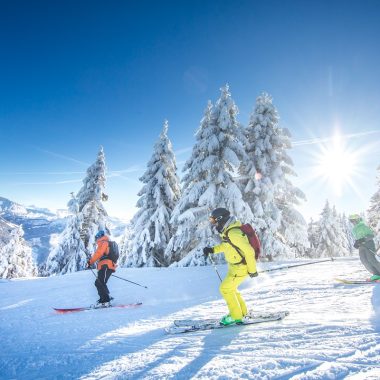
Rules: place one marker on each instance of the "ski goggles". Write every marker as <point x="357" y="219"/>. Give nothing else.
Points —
<point x="212" y="220"/>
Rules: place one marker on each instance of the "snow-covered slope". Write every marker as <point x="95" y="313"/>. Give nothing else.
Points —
<point x="332" y="332"/>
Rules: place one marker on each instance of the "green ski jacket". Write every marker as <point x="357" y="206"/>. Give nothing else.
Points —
<point x="361" y="231"/>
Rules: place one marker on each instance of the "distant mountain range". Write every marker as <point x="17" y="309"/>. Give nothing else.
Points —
<point x="42" y="226"/>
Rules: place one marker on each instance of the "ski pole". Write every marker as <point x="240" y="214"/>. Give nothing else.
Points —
<point x="93" y="273"/>
<point x="124" y="279"/>
<point x="375" y="253"/>
<point x="216" y="270"/>
<point x="297" y="265"/>
<point x="104" y="286"/>
<point x="121" y="278"/>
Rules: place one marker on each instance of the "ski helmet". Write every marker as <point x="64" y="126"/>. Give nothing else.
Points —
<point x="354" y="218"/>
<point x="219" y="217"/>
<point x="99" y="234"/>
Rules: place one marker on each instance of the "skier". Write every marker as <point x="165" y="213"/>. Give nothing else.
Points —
<point x="105" y="268"/>
<point x="364" y="242"/>
<point x="238" y="269"/>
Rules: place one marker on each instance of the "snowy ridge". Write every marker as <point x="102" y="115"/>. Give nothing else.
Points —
<point x="332" y="331"/>
<point x="39" y="225"/>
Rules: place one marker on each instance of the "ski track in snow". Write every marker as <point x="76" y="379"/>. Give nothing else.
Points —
<point x="332" y="332"/>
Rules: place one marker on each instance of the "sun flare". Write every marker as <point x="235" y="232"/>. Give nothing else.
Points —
<point x="336" y="165"/>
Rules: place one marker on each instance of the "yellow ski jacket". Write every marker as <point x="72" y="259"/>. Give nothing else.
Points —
<point x="239" y="239"/>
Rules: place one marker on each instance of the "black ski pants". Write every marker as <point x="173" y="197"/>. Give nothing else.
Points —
<point x="101" y="283"/>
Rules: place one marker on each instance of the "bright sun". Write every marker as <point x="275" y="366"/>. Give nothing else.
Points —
<point x="336" y="165"/>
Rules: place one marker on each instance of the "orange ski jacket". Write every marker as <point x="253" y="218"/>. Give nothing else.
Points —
<point x="101" y="253"/>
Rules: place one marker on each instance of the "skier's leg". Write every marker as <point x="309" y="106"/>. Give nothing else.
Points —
<point x="241" y="301"/>
<point x="241" y="274"/>
<point x="101" y="283"/>
<point x="228" y="290"/>
<point x="363" y="255"/>
<point x="98" y="285"/>
<point x="106" y="278"/>
<point x="373" y="261"/>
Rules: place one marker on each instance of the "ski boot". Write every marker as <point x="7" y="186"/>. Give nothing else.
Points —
<point x="228" y="320"/>
<point x="101" y="304"/>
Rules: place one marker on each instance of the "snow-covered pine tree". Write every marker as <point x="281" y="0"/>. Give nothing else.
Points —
<point x="209" y="181"/>
<point x="330" y="239"/>
<point x="312" y="233"/>
<point x="124" y="245"/>
<point x="16" y="258"/>
<point x="90" y="200"/>
<point x="265" y="185"/>
<point x="70" y="254"/>
<point x="340" y="234"/>
<point x="348" y="238"/>
<point x="374" y="210"/>
<point x="293" y="226"/>
<point x="77" y="241"/>
<point x="151" y="227"/>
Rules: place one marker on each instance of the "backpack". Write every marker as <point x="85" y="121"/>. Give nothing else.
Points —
<point x="253" y="239"/>
<point x="113" y="251"/>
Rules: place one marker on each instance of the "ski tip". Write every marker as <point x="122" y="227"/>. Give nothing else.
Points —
<point x="356" y="282"/>
<point x="63" y="311"/>
<point x="341" y="280"/>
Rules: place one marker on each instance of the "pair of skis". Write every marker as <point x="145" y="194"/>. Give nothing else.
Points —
<point x="191" y="325"/>
<point x="76" y="309"/>
<point x="357" y="282"/>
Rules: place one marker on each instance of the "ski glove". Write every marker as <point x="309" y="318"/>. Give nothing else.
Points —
<point x="359" y="242"/>
<point x="207" y="251"/>
<point x="253" y="274"/>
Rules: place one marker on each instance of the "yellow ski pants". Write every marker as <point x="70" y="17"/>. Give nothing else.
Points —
<point x="228" y="289"/>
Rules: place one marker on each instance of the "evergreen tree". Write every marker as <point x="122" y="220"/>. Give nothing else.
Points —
<point x="263" y="179"/>
<point x="288" y="197"/>
<point x="340" y="234"/>
<point x="209" y="181"/>
<point x="70" y="254"/>
<point x="312" y="233"/>
<point x="124" y="245"/>
<point x="374" y="210"/>
<point x="90" y="200"/>
<point x="330" y="240"/>
<point x="151" y="228"/>
<point x="15" y="255"/>
<point x="348" y="238"/>
<point x="77" y="241"/>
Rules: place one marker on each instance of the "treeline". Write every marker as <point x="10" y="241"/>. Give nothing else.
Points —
<point x="244" y="168"/>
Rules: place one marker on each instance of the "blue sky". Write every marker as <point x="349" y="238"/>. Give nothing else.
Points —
<point x="75" y="75"/>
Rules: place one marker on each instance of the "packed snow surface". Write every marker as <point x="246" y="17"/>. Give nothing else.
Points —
<point x="332" y="332"/>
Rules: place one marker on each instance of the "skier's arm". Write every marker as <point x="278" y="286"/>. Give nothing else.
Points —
<point x="101" y="250"/>
<point x="251" y="261"/>
<point x="245" y="248"/>
<point x="222" y="247"/>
